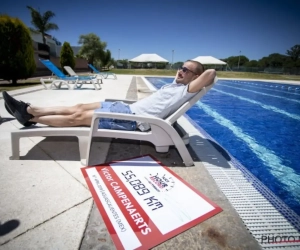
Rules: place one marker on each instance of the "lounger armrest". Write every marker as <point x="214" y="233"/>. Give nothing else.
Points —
<point x="152" y="121"/>
<point x="129" y="117"/>
<point x="129" y="101"/>
<point x="147" y="90"/>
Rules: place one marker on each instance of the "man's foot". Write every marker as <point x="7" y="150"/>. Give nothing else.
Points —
<point x="18" y="108"/>
<point x="26" y="124"/>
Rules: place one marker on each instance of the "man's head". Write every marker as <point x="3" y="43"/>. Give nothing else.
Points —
<point x="189" y="71"/>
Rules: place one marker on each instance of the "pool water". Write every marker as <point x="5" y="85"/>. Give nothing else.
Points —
<point x="258" y="123"/>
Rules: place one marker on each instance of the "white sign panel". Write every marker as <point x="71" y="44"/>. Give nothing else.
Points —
<point x="144" y="203"/>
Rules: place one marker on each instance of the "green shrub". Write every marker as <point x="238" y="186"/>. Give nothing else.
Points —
<point x="16" y="50"/>
<point x="67" y="56"/>
<point x="160" y="65"/>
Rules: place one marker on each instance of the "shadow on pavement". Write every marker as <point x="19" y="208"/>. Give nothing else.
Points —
<point x="4" y="119"/>
<point x="8" y="226"/>
<point x="206" y="150"/>
<point x="67" y="149"/>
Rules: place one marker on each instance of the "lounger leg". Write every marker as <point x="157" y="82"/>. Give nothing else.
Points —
<point x="186" y="139"/>
<point x="95" y="86"/>
<point x="179" y="143"/>
<point x="83" y="143"/>
<point x="43" y="83"/>
<point x="96" y="83"/>
<point x="78" y="85"/>
<point x="56" y="84"/>
<point x="162" y="149"/>
<point x="15" y="146"/>
<point x="99" y="81"/>
<point x="185" y="155"/>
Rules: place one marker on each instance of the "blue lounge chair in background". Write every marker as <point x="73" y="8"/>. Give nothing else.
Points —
<point x="72" y="73"/>
<point x="70" y="82"/>
<point x="104" y="74"/>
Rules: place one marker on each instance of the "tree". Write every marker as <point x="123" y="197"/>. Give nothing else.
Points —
<point x="294" y="52"/>
<point x="67" y="56"/>
<point x="106" y="59"/>
<point x="252" y="63"/>
<point x="234" y="61"/>
<point x="112" y="62"/>
<point x="16" y="53"/>
<point x="123" y="62"/>
<point x="92" y="47"/>
<point x="243" y="60"/>
<point x="276" y="60"/>
<point x="160" y="65"/>
<point x="177" y="65"/>
<point x="289" y="63"/>
<point x="41" y="22"/>
<point x="263" y="62"/>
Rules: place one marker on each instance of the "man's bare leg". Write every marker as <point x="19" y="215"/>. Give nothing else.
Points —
<point x="78" y="115"/>
<point x="61" y="110"/>
<point x="80" y="118"/>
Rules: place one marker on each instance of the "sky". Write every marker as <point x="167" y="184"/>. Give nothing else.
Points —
<point x="174" y="29"/>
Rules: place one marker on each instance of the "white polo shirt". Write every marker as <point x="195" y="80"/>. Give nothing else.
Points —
<point x="162" y="103"/>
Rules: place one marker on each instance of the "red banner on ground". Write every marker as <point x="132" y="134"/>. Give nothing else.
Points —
<point x="144" y="203"/>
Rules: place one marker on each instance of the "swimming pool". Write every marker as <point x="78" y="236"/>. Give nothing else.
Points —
<point x="258" y="123"/>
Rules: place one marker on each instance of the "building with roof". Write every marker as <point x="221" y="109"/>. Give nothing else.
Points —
<point x="51" y="50"/>
<point x="148" y="61"/>
<point x="209" y="60"/>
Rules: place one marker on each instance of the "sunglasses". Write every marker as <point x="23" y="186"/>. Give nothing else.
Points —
<point x="185" y="69"/>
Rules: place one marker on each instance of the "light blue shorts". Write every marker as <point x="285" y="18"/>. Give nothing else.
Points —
<point x="115" y="107"/>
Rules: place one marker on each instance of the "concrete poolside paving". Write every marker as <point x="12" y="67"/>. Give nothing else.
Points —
<point x="45" y="201"/>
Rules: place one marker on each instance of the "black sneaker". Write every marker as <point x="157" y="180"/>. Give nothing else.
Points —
<point x="18" y="108"/>
<point x="26" y="124"/>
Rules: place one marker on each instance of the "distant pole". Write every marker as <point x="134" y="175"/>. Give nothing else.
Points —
<point x="119" y="55"/>
<point x="172" y="57"/>
<point x="239" y="60"/>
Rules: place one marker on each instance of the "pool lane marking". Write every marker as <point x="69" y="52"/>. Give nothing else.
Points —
<point x="270" y="88"/>
<point x="268" y="107"/>
<point x="284" y="174"/>
<point x="260" y="93"/>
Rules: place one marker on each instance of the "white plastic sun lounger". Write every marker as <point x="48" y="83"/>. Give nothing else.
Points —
<point x="74" y="82"/>
<point x="102" y="74"/>
<point x="162" y="133"/>
<point x="72" y="73"/>
<point x="59" y="83"/>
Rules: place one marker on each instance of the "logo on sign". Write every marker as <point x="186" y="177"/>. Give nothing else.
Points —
<point x="161" y="183"/>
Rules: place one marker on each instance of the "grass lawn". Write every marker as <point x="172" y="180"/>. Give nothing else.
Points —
<point x="5" y="86"/>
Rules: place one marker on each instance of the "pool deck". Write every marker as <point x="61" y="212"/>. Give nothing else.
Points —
<point x="45" y="201"/>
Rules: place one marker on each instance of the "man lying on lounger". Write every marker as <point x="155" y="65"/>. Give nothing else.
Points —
<point x="190" y="79"/>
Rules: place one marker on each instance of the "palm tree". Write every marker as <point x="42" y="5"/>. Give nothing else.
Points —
<point x="41" y="22"/>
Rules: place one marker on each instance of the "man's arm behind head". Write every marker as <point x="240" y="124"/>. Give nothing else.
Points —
<point x="205" y="79"/>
